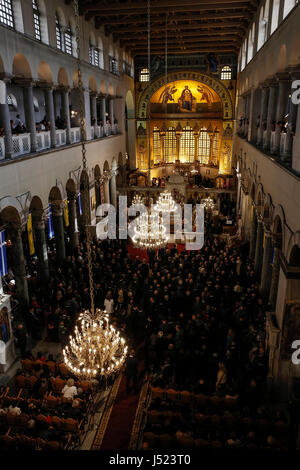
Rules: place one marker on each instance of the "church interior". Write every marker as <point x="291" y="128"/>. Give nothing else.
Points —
<point x="150" y="225"/>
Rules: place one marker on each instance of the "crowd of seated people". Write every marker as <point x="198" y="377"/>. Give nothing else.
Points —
<point x="199" y="313"/>
<point x="44" y="406"/>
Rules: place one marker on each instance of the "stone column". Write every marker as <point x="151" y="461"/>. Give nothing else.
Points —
<point x="73" y="227"/>
<point x="94" y="113"/>
<point x="275" y="272"/>
<point x="111" y="114"/>
<point x="5" y="120"/>
<point x="253" y="231"/>
<point x="30" y="115"/>
<point x="263" y="114"/>
<point x="103" y="113"/>
<point x="113" y="189"/>
<point x="41" y="245"/>
<point x="273" y="89"/>
<point x="87" y="114"/>
<point x="59" y="234"/>
<point x="18" y="262"/>
<point x="266" y="272"/>
<point x="259" y="247"/>
<point x="284" y="86"/>
<point x="50" y="115"/>
<point x="66" y="113"/>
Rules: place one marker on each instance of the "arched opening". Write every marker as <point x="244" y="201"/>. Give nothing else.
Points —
<point x="44" y="73"/>
<point x="62" y="77"/>
<point x="21" y="67"/>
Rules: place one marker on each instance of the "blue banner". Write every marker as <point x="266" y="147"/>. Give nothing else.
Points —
<point x="80" y="203"/>
<point x="50" y="223"/>
<point x="3" y="262"/>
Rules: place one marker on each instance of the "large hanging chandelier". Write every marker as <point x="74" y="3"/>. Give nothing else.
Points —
<point x="165" y="203"/>
<point x="150" y="232"/>
<point x="96" y="347"/>
<point x="137" y="200"/>
<point x="208" y="203"/>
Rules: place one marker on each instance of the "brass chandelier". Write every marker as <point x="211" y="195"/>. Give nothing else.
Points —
<point x="96" y="348"/>
<point x="150" y="232"/>
<point x="166" y="203"/>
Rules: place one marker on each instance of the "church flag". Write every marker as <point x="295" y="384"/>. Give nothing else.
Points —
<point x="67" y="221"/>
<point x="3" y="263"/>
<point x="30" y="235"/>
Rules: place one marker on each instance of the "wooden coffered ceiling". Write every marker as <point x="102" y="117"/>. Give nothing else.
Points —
<point x="193" y="26"/>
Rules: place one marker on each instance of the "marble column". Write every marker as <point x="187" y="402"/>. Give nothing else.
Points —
<point x="284" y="87"/>
<point x="273" y="90"/>
<point x="263" y="114"/>
<point x="59" y="234"/>
<point x="103" y="113"/>
<point x="111" y="114"/>
<point x="66" y="113"/>
<point x="94" y="113"/>
<point x="259" y="247"/>
<point x="275" y="273"/>
<point x="18" y="263"/>
<point x="73" y="227"/>
<point x="266" y="272"/>
<point x="41" y="246"/>
<point x="50" y="115"/>
<point x="5" y="120"/>
<point x="30" y="115"/>
<point x="253" y="231"/>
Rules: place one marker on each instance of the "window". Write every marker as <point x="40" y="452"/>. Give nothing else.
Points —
<point x="113" y="66"/>
<point x="203" y="146"/>
<point x="275" y="15"/>
<point x="170" y="146"/>
<point x="187" y="145"/>
<point x="144" y="75"/>
<point x="215" y="149"/>
<point x="59" y="36"/>
<point x="156" y="145"/>
<point x="251" y="43"/>
<point x="243" y="58"/>
<point x="263" y="25"/>
<point x="68" y="41"/>
<point x="94" y="55"/>
<point x="226" y="73"/>
<point x="36" y="20"/>
<point x="288" y="6"/>
<point x="6" y="13"/>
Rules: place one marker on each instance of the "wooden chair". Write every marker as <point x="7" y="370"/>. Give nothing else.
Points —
<point x="157" y="392"/>
<point x="185" y="396"/>
<point x="172" y="394"/>
<point x="27" y="365"/>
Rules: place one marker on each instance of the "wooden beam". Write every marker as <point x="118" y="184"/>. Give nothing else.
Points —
<point x="194" y="44"/>
<point x="188" y="5"/>
<point x="188" y="51"/>
<point x="184" y="34"/>
<point x="181" y="27"/>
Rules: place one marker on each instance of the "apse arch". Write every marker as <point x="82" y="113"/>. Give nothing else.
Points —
<point x="204" y="79"/>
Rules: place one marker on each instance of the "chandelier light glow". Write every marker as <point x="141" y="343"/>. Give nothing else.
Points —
<point x="150" y="233"/>
<point x="96" y="347"/>
<point x="208" y="203"/>
<point x="137" y="200"/>
<point x="165" y="203"/>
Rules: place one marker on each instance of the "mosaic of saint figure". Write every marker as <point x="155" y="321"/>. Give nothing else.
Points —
<point x="166" y="95"/>
<point x="186" y="101"/>
<point x="206" y="94"/>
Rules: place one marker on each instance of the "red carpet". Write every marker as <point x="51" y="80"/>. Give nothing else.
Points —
<point x="119" y="428"/>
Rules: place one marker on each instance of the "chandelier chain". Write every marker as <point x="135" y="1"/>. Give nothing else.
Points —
<point x="84" y="159"/>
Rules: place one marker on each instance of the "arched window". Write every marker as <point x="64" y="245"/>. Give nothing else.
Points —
<point x="251" y="43"/>
<point x="156" y="145"/>
<point x="275" y="15"/>
<point x="243" y="57"/>
<point x="36" y="21"/>
<point x="263" y="25"/>
<point x="144" y="75"/>
<point x="187" y="145"/>
<point x="59" y="35"/>
<point x="170" y="145"/>
<point x="203" y="146"/>
<point x="6" y="13"/>
<point x="288" y="6"/>
<point x="226" y="73"/>
<point x="94" y="55"/>
<point x="68" y="40"/>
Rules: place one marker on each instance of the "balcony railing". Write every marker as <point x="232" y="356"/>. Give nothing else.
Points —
<point x="61" y="137"/>
<point x="75" y="135"/>
<point x="43" y="140"/>
<point x="21" y="144"/>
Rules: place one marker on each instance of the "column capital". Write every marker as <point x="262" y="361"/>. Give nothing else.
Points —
<point x="271" y="82"/>
<point x="93" y="93"/>
<point x="6" y="77"/>
<point x="57" y="208"/>
<point x="24" y="82"/>
<point x="63" y="88"/>
<point x="103" y="96"/>
<point x="294" y="72"/>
